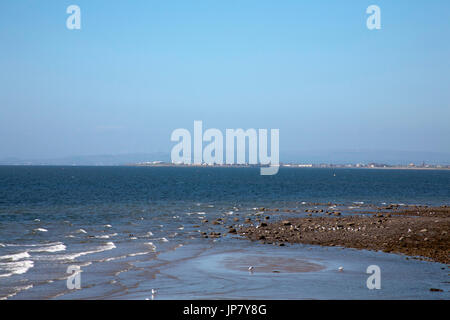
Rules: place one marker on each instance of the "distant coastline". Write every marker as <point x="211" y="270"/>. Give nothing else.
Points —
<point x="410" y="166"/>
<point x="289" y="166"/>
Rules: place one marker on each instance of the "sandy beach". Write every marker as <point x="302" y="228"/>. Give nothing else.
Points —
<point x="419" y="232"/>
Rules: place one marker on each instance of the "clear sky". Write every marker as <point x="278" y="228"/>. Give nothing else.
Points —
<point x="137" y="70"/>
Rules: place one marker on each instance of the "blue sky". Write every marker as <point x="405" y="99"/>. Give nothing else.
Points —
<point x="137" y="70"/>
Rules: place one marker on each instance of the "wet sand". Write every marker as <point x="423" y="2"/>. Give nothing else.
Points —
<point x="420" y="232"/>
<point x="261" y="263"/>
<point x="311" y="272"/>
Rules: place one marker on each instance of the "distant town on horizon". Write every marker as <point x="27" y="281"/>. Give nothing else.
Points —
<point x="371" y="165"/>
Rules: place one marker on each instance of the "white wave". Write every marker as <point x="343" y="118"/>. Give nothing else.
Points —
<point x="81" y="231"/>
<point x="112" y="259"/>
<point x="40" y="230"/>
<point x="137" y="254"/>
<point x="17" y="290"/>
<point x="54" y="248"/>
<point x="151" y="245"/>
<point x="73" y="256"/>
<point x="5" y="275"/>
<point x="229" y="213"/>
<point x="18" y="267"/>
<point x="106" y="236"/>
<point x="358" y="202"/>
<point x="32" y="245"/>
<point x="15" y="256"/>
<point x="108" y="226"/>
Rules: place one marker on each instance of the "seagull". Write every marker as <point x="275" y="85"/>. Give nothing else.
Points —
<point x="250" y="269"/>
<point x="341" y="269"/>
<point x="153" y="292"/>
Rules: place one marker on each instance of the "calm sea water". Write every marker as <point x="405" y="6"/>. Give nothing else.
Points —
<point x="133" y="229"/>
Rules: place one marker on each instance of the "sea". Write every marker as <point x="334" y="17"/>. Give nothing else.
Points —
<point x="124" y="232"/>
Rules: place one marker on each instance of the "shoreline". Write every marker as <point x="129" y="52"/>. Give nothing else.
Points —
<point x="132" y="165"/>
<point x="418" y="232"/>
<point x="445" y="167"/>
